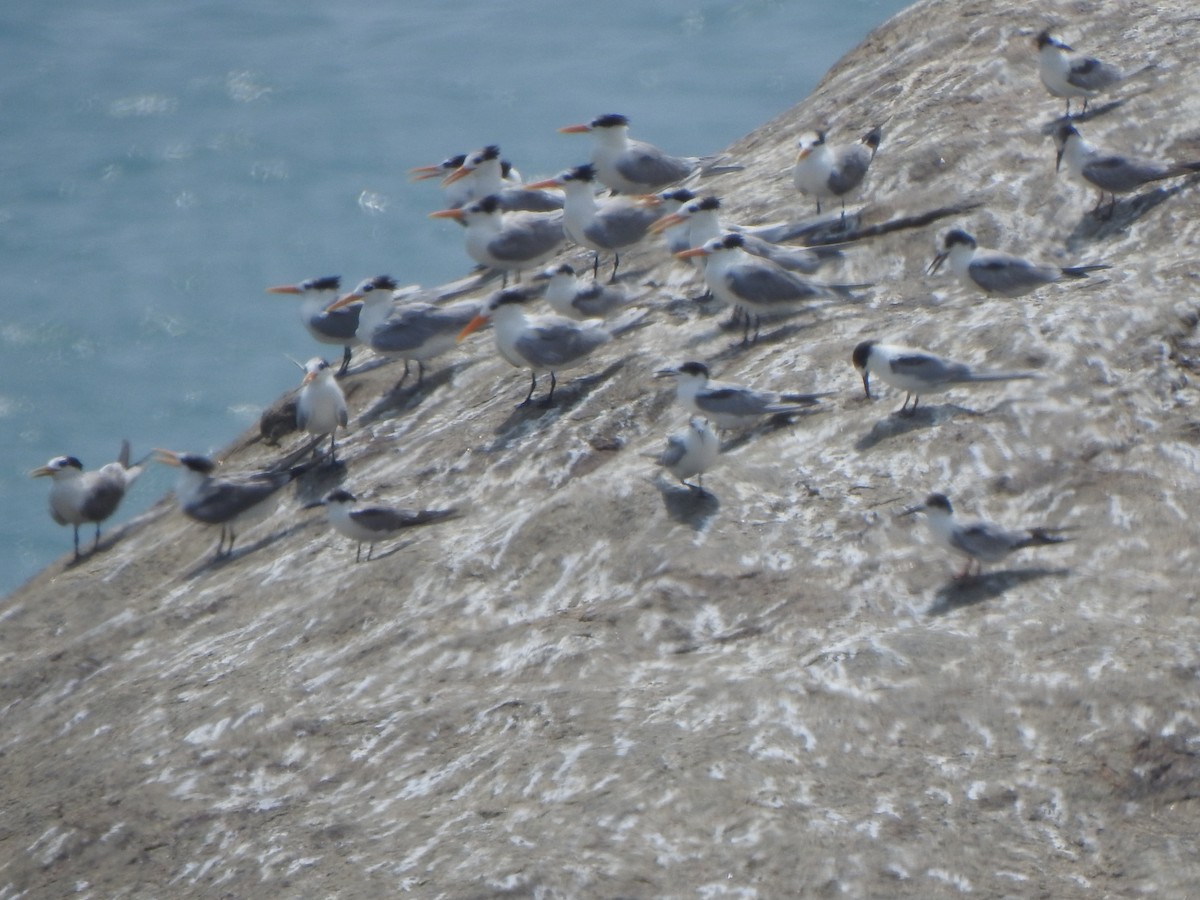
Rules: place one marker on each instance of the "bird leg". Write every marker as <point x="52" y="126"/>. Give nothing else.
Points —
<point x="420" y="372"/>
<point x="532" y="385"/>
<point x="77" y="557"/>
<point x="616" y="265"/>
<point x="96" y="542"/>
<point x="346" y="353"/>
<point x="549" y="398"/>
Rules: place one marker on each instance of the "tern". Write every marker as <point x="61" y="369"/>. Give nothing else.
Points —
<point x="729" y="405"/>
<point x="545" y="343"/>
<point x="599" y="225"/>
<point x="411" y="329"/>
<point x="484" y="170"/>
<point x="77" y="496"/>
<point x="1075" y="77"/>
<point x="569" y="296"/>
<point x="980" y="542"/>
<point x="690" y="452"/>
<point x="703" y="221"/>
<point x="629" y="166"/>
<point x="461" y="192"/>
<point x="826" y="172"/>
<point x="231" y="501"/>
<point x="675" y="230"/>
<point x="1110" y="173"/>
<point x="758" y="285"/>
<point x="1000" y="273"/>
<point x="916" y="372"/>
<point x="509" y="242"/>
<point x="326" y="327"/>
<point x="321" y="405"/>
<point x="371" y="524"/>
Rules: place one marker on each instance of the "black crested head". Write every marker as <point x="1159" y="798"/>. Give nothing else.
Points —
<point x="731" y="241"/>
<point x="861" y="354"/>
<point x="873" y="137"/>
<point x="491" y="151"/>
<point x="382" y="283"/>
<point x="682" y="195"/>
<point x="65" y="462"/>
<point x="956" y="237"/>
<point x="938" y="501"/>
<point x="326" y="283"/>
<point x="197" y="463"/>
<point x="1064" y="131"/>
<point x="509" y="297"/>
<point x="564" y="269"/>
<point x="612" y="120"/>
<point x="454" y="162"/>
<point x="586" y="172"/>
<point x="341" y="495"/>
<point x="820" y="137"/>
<point x="505" y="168"/>
<point x="694" y="368"/>
<point x="489" y="204"/>
<point x="709" y="203"/>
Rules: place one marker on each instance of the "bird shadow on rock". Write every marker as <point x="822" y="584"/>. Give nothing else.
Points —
<point x="898" y="423"/>
<point x="776" y="422"/>
<point x="319" y="481"/>
<point x="959" y="593"/>
<point x="1110" y="221"/>
<point x="694" y="507"/>
<point x="525" y="416"/>
<point x="1093" y="112"/>
<point x="212" y="563"/>
<point x="403" y="397"/>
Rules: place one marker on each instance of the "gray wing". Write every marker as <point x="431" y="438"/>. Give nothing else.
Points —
<point x="852" y="164"/>
<point x="645" y="164"/>
<point x="413" y="327"/>
<point x="985" y="541"/>
<point x="1120" y="173"/>
<point x="768" y="284"/>
<point x="735" y="402"/>
<point x="219" y="500"/>
<point x="522" y="200"/>
<point x="340" y="325"/>
<point x="597" y="300"/>
<point x="1093" y="75"/>
<point x="558" y="343"/>
<point x="619" y="224"/>
<point x="927" y="368"/>
<point x="384" y="519"/>
<point x="794" y="259"/>
<point x="1011" y="276"/>
<point x="528" y="238"/>
<point x="674" y="452"/>
<point x="104" y="494"/>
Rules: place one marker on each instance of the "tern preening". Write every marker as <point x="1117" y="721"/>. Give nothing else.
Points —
<point x="1110" y="173"/>
<point x="758" y="285"/>
<point x="570" y="296"/>
<point x="916" y="372"/>
<point x="980" y="542"/>
<point x="826" y="172"/>
<point x="544" y="343"/>
<point x="602" y="226"/>
<point x="407" y="327"/>
<point x="629" y="166"/>
<point x="231" y="501"/>
<point x="508" y="242"/>
<point x="78" y="497"/>
<point x="371" y="524"/>
<point x="1069" y="76"/>
<point x="484" y="171"/>
<point x="690" y="453"/>
<point x="1000" y="273"/>
<point x="326" y="327"/>
<point x="321" y="405"/>
<point x="729" y="405"/>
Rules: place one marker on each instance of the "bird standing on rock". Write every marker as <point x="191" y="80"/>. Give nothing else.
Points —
<point x="371" y="524"/>
<point x="994" y="272"/>
<point x="826" y="172"/>
<point x="321" y="405"/>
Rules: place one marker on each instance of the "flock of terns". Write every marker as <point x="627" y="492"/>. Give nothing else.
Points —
<point x="513" y="228"/>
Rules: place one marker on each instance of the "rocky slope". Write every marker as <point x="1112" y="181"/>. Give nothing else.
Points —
<point x="596" y="684"/>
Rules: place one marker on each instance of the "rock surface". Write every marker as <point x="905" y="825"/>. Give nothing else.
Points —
<point x="597" y="684"/>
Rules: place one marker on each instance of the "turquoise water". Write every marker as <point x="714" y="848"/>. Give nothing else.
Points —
<point x="163" y="163"/>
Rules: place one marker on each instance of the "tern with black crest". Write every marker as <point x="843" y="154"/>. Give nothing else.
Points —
<point x="729" y="405"/>
<point x="999" y="273"/>
<point x="326" y="327"/>
<point x="570" y="296"/>
<point x="508" y="242"/>
<point x="484" y="171"/>
<point x="1073" y="77"/>
<point x="826" y="172"/>
<point x="371" y="524"/>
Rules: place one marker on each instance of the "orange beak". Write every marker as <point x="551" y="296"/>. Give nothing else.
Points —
<point x="457" y="175"/>
<point x="283" y="289"/>
<point x="691" y="254"/>
<point x="344" y="300"/>
<point x="549" y="184"/>
<point x="308" y="378"/>
<point x="474" y="325"/>
<point x="803" y="154"/>
<point x="420" y="173"/>
<point x="575" y="129"/>
<point x="455" y="214"/>
<point x="658" y="226"/>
